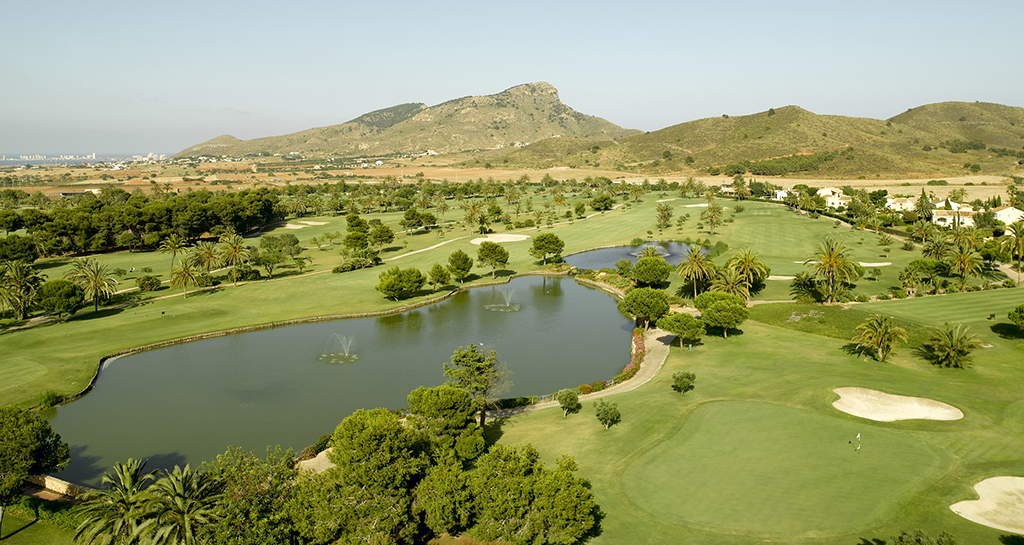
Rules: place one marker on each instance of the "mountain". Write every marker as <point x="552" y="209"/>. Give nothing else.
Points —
<point x="907" y="145"/>
<point x="522" y="114"/>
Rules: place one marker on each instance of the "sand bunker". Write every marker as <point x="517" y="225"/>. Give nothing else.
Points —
<point x="664" y="200"/>
<point x="697" y="205"/>
<point x="780" y="277"/>
<point x="883" y="407"/>
<point x="295" y="226"/>
<point x="882" y="264"/>
<point x="499" y="238"/>
<point x="314" y="222"/>
<point x="1000" y="504"/>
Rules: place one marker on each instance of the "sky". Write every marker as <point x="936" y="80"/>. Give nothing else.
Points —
<point x="114" y="77"/>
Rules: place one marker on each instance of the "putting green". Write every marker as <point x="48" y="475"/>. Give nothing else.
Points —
<point x="769" y="470"/>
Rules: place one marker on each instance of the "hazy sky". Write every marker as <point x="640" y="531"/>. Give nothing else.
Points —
<point x="114" y="76"/>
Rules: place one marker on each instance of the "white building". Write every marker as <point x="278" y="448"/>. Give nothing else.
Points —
<point x="900" y="204"/>
<point x="780" y="195"/>
<point x="1008" y="214"/>
<point x="958" y="214"/>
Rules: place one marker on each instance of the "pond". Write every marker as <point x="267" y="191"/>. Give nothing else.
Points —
<point x="673" y="252"/>
<point x="289" y="386"/>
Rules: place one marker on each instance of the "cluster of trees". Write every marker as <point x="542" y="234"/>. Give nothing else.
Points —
<point x="399" y="283"/>
<point x="117" y="219"/>
<point x="744" y="272"/>
<point x="23" y="288"/>
<point x="961" y="252"/>
<point x="949" y="346"/>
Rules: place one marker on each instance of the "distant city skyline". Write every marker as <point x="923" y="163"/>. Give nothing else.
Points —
<point x="122" y="78"/>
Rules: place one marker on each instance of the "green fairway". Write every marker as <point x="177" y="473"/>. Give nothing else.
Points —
<point x="769" y="470"/>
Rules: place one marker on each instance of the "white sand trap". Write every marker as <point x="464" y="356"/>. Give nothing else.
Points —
<point x="704" y="205"/>
<point x="295" y="226"/>
<point x="780" y="277"/>
<point x="314" y="222"/>
<point x="882" y="264"/>
<point x="499" y="238"/>
<point x="665" y="200"/>
<point x="1000" y="504"/>
<point x="883" y="407"/>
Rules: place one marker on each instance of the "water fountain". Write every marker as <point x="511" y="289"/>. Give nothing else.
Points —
<point x="339" y="349"/>
<point x="506" y="296"/>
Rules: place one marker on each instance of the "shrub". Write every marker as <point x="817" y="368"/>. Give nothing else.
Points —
<point x="597" y="386"/>
<point x="585" y="389"/>
<point x="205" y="280"/>
<point x="908" y="245"/>
<point x="58" y="513"/>
<point x="148" y="283"/>
<point x="682" y="381"/>
<point x="513" y="402"/>
<point x="862" y="298"/>
<point x="1009" y="283"/>
<point x="50" y="399"/>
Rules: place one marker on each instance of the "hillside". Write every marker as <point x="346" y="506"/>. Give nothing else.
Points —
<point x="907" y="145"/>
<point x="522" y="114"/>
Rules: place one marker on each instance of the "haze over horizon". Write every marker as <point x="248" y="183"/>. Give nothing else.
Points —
<point x="119" y="77"/>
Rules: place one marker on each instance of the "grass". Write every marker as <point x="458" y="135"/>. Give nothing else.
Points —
<point x="757" y="452"/>
<point x="18" y="530"/>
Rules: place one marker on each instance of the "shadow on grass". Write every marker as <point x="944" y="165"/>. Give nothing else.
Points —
<point x="876" y="541"/>
<point x="1007" y="331"/>
<point x="14" y="533"/>
<point x="493" y="429"/>
<point x="101" y="313"/>
<point x="1011" y="539"/>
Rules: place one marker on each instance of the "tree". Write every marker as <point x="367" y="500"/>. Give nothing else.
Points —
<point x="233" y="253"/>
<point x="651" y="271"/>
<point x="602" y="202"/>
<point x="184" y="275"/>
<point x="645" y="305"/>
<point x="60" y="297"/>
<point x="564" y="504"/>
<point x="923" y="206"/>
<point x="356" y="240"/>
<point x="568" y="400"/>
<point x="1013" y="243"/>
<point x="28" y="446"/>
<point x="664" y="212"/>
<point x="18" y="284"/>
<point x="749" y="267"/>
<point x="879" y="335"/>
<point x="479" y="373"/>
<point x="696" y="267"/>
<point x="918" y="537"/>
<point x="179" y="506"/>
<point x="1017" y="316"/>
<point x="95" y="279"/>
<point x="173" y="245"/>
<point x="251" y="509"/>
<point x="732" y="282"/>
<point x="581" y="210"/>
<point x="833" y="268"/>
<point x="966" y="263"/>
<point x="459" y="264"/>
<point x="446" y="415"/>
<point x="444" y="498"/>
<point x="493" y="255"/>
<point x="18" y="248"/>
<point x="439" y="275"/>
<point x="380" y="235"/>
<point x="398" y="283"/>
<point x="689" y="329"/>
<point x="607" y="413"/>
<point x="725" y="315"/>
<point x="373" y="449"/>
<point x="950" y="346"/>
<point x="682" y="381"/>
<point x="204" y="255"/>
<point x="546" y="244"/>
<point x="712" y="215"/>
<point x="113" y="515"/>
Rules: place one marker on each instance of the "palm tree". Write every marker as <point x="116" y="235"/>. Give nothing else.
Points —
<point x="18" y="284"/>
<point x="936" y="248"/>
<point x="180" y="504"/>
<point x="204" y="255"/>
<point x="1013" y="242"/>
<point x="96" y="279"/>
<point x="233" y="252"/>
<point x="965" y="262"/>
<point x="749" y="266"/>
<point x="696" y="268"/>
<point x="922" y="230"/>
<point x="114" y="515"/>
<point x="184" y="275"/>
<point x="649" y="251"/>
<point x="833" y="266"/>
<point x="909" y="280"/>
<point x="879" y="334"/>
<point x="731" y="281"/>
<point x="965" y="237"/>
<point x="173" y="244"/>
<point x="950" y="346"/>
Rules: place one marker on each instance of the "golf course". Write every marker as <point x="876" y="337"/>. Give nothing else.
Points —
<point x="756" y="452"/>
